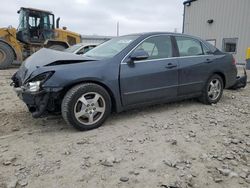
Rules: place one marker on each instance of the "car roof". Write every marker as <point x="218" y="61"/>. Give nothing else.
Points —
<point x="161" y="33"/>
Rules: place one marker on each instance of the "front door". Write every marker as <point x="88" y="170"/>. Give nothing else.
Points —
<point x="152" y="79"/>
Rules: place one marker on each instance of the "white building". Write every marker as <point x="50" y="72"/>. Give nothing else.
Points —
<point x="224" y="23"/>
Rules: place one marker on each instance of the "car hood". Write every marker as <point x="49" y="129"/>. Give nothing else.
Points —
<point x="46" y="58"/>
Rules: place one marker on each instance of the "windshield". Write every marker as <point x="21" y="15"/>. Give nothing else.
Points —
<point x="73" y="48"/>
<point x="22" y="21"/>
<point x="111" y="48"/>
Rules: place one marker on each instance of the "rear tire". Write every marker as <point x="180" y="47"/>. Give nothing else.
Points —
<point x="6" y="56"/>
<point x="86" y="106"/>
<point x="213" y="90"/>
<point x="57" y="47"/>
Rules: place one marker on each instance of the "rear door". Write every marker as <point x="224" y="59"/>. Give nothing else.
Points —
<point x="194" y="65"/>
<point x="153" y="79"/>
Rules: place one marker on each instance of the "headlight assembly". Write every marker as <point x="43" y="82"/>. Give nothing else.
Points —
<point x="34" y="85"/>
<point x="42" y="77"/>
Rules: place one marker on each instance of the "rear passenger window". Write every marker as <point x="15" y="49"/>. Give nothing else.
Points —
<point x="157" y="47"/>
<point x="188" y="46"/>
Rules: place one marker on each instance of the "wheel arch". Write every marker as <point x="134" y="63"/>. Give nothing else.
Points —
<point x="110" y="92"/>
<point x="222" y="75"/>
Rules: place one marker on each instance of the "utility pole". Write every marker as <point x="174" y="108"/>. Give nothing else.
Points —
<point x="117" y="29"/>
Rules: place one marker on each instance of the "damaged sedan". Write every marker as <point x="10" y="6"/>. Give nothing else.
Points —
<point x="123" y="73"/>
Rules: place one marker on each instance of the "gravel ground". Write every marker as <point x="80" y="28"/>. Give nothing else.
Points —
<point x="183" y="144"/>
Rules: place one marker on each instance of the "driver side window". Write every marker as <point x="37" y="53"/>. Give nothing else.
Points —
<point x="150" y="48"/>
<point x="157" y="47"/>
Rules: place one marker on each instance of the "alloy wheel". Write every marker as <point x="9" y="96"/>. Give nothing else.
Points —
<point x="89" y="108"/>
<point x="214" y="89"/>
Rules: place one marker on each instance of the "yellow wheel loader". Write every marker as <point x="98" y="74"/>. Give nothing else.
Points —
<point x="37" y="29"/>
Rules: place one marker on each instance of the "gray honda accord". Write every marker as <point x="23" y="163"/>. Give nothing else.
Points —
<point x="123" y="73"/>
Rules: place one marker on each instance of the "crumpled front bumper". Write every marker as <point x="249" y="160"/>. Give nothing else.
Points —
<point x="36" y="102"/>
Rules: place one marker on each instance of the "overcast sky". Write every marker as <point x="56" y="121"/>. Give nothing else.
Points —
<point x="100" y="16"/>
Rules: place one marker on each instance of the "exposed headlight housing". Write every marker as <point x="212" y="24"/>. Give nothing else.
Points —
<point x="34" y="85"/>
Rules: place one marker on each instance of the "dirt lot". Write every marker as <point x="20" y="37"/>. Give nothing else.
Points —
<point x="184" y="144"/>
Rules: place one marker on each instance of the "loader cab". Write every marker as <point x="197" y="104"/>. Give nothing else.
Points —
<point x="35" y="26"/>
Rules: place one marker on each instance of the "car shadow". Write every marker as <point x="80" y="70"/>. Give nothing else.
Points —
<point x="57" y="124"/>
<point x="150" y="110"/>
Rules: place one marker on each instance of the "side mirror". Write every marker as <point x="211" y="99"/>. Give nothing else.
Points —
<point x="139" y="54"/>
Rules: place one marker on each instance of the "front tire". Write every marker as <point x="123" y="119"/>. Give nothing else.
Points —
<point x="86" y="106"/>
<point x="213" y="90"/>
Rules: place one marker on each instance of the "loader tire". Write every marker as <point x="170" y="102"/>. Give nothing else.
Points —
<point x="6" y="56"/>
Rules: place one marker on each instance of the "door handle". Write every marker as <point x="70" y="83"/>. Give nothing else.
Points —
<point x="170" y="66"/>
<point x="209" y="60"/>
